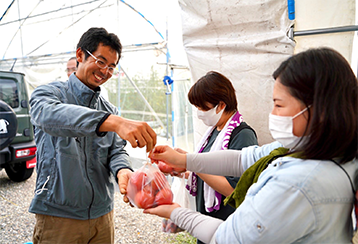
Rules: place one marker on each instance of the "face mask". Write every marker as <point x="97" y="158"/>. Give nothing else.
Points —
<point x="281" y="128"/>
<point x="210" y="117"/>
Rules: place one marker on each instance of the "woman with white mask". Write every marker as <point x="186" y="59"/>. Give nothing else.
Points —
<point x="301" y="194"/>
<point x="214" y="97"/>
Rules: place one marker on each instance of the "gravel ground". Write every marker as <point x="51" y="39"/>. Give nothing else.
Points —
<point x="131" y="225"/>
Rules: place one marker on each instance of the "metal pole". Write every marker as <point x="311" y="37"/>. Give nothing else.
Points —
<point x="119" y="90"/>
<point x="173" y="122"/>
<point x="18" y="8"/>
<point x="323" y="31"/>
<point x="145" y="100"/>
<point x="167" y="109"/>
<point x="167" y="74"/>
<point x="119" y="68"/>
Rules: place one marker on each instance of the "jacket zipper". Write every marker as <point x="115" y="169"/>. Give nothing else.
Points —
<point x="88" y="178"/>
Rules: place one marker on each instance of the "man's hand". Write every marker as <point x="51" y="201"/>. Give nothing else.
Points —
<point x="123" y="176"/>
<point x="137" y="133"/>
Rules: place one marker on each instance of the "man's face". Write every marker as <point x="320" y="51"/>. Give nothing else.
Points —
<point x="88" y="72"/>
<point x="71" y="67"/>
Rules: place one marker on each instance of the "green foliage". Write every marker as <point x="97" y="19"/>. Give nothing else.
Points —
<point x="132" y="105"/>
<point x="181" y="238"/>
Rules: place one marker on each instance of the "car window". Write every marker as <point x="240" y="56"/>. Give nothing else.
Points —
<point x="9" y="92"/>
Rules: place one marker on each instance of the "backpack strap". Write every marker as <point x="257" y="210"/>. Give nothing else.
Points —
<point x="237" y="130"/>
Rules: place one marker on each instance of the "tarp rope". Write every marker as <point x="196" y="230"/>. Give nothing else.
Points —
<point x="49" y="12"/>
<point x="21" y="26"/>
<point x="68" y="27"/>
<point x="143" y="18"/>
<point x="7" y="10"/>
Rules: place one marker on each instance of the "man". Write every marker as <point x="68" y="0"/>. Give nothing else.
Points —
<point x="71" y="66"/>
<point x="80" y="143"/>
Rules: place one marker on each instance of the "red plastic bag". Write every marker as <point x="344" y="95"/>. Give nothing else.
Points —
<point x="148" y="188"/>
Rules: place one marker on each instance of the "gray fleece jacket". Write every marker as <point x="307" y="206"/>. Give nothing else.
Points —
<point x="75" y="162"/>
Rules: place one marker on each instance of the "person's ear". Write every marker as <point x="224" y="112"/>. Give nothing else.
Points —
<point x="80" y="56"/>
<point x="221" y="106"/>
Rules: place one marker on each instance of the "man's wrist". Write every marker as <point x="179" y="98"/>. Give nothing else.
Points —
<point x="98" y="131"/>
<point x="111" y="123"/>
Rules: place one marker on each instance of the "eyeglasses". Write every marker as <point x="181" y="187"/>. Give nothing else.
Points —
<point x="102" y="65"/>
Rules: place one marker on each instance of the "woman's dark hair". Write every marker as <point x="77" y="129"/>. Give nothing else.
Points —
<point x="323" y="79"/>
<point x="213" y="88"/>
<point x="94" y="36"/>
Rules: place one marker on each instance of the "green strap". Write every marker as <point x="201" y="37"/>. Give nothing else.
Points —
<point x="250" y="176"/>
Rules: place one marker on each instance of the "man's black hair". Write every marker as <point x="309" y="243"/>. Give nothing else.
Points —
<point x="95" y="36"/>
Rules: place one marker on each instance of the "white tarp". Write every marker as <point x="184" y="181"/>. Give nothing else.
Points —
<point x="247" y="40"/>
<point x="321" y="14"/>
<point x="244" y="40"/>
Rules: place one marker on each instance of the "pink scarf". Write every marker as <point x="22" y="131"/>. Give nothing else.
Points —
<point x="211" y="197"/>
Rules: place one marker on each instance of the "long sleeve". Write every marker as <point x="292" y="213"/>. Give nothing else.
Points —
<point x="118" y="156"/>
<point x="207" y="163"/>
<point x="200" y="226"/>
<point x="232" y="162"/>
<point x="58" y="118"/>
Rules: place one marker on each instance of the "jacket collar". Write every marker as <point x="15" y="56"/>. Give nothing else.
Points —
<point x="84" y="95"/>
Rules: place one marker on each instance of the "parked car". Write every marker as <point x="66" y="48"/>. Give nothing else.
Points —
<point x="17" y="145"/>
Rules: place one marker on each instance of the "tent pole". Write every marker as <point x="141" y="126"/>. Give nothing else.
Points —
<point x="119" y="90"/>
<point x="167" y="74"/>
<point x="172" y="86"/>
<point x="119" y="68"/>
<point x="349" y="28"/>
<point x="142" y="96"/>
<point x="22" y="48"/>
